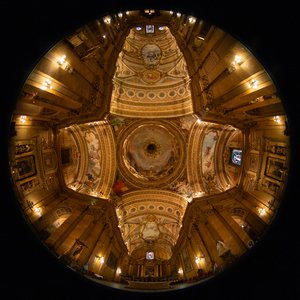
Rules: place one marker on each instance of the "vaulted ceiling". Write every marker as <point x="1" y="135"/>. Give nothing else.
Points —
<point x="151" y="155"/>
<point x="147" y="110"/>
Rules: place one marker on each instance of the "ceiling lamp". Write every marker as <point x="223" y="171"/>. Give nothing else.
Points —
<point x="138" y="28"/>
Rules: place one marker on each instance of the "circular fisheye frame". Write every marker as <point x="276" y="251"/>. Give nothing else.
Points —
<point x="149" y="153"/>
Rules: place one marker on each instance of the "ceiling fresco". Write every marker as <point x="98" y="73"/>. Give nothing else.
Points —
<point x="159" y="166"/>
<point x="151" y="72"/>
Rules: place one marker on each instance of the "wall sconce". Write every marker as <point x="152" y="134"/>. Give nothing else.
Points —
<point x="46" y="85"/>
<point x="180" y="271"/>
<point x="64" y="64"/>
<point x="37" y="211"/>
<point x="149" y="11"/>
<point x="253" y="84"/>
<point x="107" y="20"/>
<point x="276" y="119"/>
<point x="120" y="15"/>
<point x="22" y="119"/>
<point x="192" y="20"/>
<point x="237" y="60"/>
<point x="127" y="13"/>
<point x="171" y="12"/>
<point x="178" y="14"/>
<point x="100" y="258"/>
<point x="261" y="211"/>
<point x="119" y="271"/>
<point x="197" y="260"/>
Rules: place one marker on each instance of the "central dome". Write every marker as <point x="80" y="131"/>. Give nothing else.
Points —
<point x="151" y="153"/>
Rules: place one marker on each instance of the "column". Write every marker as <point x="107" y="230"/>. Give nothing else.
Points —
<point x="241" y="234"/>
<point x="59" y="235"/>
<point x="210" y="244"/>
<point x="47" y="214"/>
<point x="226" y="235"/>
<point x="91" y="242"/>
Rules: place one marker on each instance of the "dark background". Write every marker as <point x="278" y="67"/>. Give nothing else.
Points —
<point x="30" y="28"/>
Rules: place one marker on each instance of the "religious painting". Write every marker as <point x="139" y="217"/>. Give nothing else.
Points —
<point x="29" y="186"/>
<point x="23" y="148"/>
<point x="25" y="167"/>
<point x="207" y="154"/>
<point x="236" y="157"/>
<point x="66" y="157"/>
<point x="186" y="260"/>
<point x="50" y="162"/>
<point x="252" y="162"/>
<point x="275" y="168"/>
<point x="271" y="186"/>
<point x="151" y="54"/>
<point x="112" y="260"/>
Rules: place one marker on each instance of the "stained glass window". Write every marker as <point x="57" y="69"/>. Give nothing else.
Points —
<point x="150" y="255"/>
<point x="236" y="156"/>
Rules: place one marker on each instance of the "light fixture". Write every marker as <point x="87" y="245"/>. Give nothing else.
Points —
<point x="180" y="271"/>
<point x="22" y="119"/>
<point x="100" y="258"/>
<point x="38" y="211"/>
<point x="237" y="60"/>
<point x="61" y="60"/>
<point x="161" y="28"/>
<point x="64" y="64"/>
<point x="119" y="271"/>
<point x="261" y="211"/>
<point x="197" y="260"/>
<point x="127" y="13"/>
<point x="149" y="11"/>
<point x="253" y="84"/>
<point x="120" y="15"/>
<point x="200" y="38"/>
<point x="178" y="14"/>
<point x="171" y="12"/>
<point x="192" y="20"/>
<point x="138" y="28"/>
<point x="46" y="85"/>
<point x="107" y="20"/>
<point x="104" y="36"/>
<point x="276" y="119"/>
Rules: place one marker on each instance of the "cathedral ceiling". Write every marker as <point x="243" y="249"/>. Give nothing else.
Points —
<point x="151" y="73"/>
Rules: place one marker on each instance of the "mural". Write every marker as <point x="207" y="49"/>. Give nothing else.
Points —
<point x="149" y="229"/>
<point x="151" y="54"/>
<point x="207" y="154"/>
<point x="93" y="169"/>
